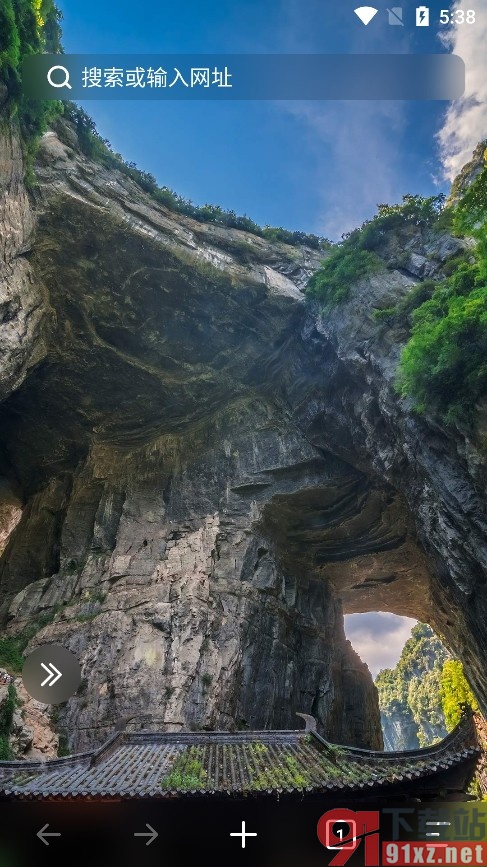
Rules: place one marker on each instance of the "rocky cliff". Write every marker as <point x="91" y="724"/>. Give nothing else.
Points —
<point x="212" y="470"/>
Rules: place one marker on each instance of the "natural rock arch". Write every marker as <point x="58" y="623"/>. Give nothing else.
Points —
<point x="213" y="470"/>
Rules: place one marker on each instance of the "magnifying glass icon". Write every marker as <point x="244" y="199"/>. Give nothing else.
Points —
<point x="64" y="83"/>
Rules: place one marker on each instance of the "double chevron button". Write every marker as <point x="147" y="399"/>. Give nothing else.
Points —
<point x="51" y="674"/>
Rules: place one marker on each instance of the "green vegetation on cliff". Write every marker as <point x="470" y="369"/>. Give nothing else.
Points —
<point x="11" y="656"/>
<point x="443" y="366"/>
<point x="455" y="692"/>
<point x="356" y="257"/>
<point x="26" y="27"/>
<point x="411" y="691"/>
<point x="331" y="284"/>
<point x="427" y="690"/>
<point x="12" y="647"/>
<point x="7" y="710"/>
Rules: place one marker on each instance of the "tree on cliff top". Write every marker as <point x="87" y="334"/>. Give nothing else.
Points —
<point x="456" y="693"/>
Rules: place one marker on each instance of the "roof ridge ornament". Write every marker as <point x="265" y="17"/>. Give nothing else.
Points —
<point x="309" y="720"/>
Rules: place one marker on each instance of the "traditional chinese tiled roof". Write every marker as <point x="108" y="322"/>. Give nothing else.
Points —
<point x="159" y="765"/>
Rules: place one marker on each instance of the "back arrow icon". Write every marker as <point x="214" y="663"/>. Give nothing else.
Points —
<point x="42" y="834"/>
<point x="51" y="674"/>
<point x="152" y="834"/>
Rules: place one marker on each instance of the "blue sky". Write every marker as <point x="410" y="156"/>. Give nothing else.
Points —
<point x="319" y="167"/>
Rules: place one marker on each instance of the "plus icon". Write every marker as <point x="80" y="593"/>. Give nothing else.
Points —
<point x="243" y="834"/>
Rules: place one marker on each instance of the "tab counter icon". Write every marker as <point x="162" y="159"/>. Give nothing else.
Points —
<point x="422" y="16"/>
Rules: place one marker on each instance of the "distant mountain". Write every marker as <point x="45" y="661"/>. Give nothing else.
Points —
<point x="410" y="694"/>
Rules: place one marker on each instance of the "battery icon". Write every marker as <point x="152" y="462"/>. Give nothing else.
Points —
<point x="422" y="16"/>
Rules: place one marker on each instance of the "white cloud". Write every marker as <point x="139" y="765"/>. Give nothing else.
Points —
<point x="361" y="143"/>
<point x="354" y="145"/>
<point x="378" y="637"/>
<point x="466" y="118"/>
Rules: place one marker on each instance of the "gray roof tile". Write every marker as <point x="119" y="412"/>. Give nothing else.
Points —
<point x="155" y="765"/>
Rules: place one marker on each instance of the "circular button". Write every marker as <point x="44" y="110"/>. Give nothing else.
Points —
<point x="51" y="674"/>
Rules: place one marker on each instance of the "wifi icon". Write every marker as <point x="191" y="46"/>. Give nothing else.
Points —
<point x="366" y="13"/>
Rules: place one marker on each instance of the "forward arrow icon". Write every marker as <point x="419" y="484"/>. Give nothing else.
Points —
<point x="151" y="834"/>
<point x="51" y="671"/>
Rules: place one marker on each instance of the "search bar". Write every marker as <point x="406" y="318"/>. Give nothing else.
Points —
<point x="244" y="76"/>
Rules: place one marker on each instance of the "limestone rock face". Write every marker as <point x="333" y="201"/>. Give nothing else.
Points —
<point x="30" y="732"/>
<point x="24" y="306"/>
<point x="211" y="471"/>
<point x="400" y="731"/>
<point x="438" y="475"/>
<point x="174" y="595"/>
